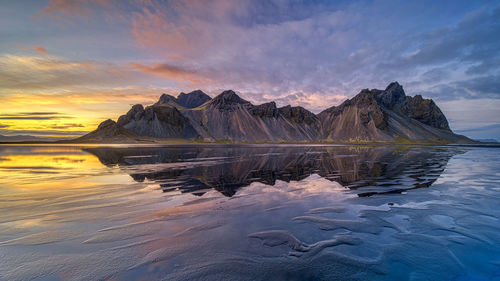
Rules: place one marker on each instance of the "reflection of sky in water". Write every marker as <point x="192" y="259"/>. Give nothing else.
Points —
<point x="243" y="212"/>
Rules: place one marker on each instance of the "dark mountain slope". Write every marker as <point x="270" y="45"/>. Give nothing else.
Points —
<point x="229" y="117"/>
<point x="190" y="100"/>
<point x="418" y="108"/>
<point x="157" y="121"/>
<point x="371" y="116"/>
<point x="388" y="115"/>
<point x="109" y="131"/>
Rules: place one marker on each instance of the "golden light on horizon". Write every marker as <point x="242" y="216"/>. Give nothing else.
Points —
<point x="65" y="113"/>
<point x="39" y="169"/>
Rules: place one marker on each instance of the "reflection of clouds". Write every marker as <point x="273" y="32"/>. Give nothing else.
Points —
<point x="119" y="228"/>
<point x="369" y="170"/>
<point x="45" y="168"/>
<point x="312" y="185"/>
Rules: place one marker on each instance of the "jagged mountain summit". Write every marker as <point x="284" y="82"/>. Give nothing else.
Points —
<point x="388" y="115"/>
<point x="371" y="116"/>
<point x="190" y="100"/>
<point x="109" y="131"/>
<point x="229" y="117"/>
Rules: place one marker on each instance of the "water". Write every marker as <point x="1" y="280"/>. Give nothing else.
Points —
<point x="257" y="212"/>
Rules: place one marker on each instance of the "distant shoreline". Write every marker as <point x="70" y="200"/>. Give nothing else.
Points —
<point x="184" y="142"/>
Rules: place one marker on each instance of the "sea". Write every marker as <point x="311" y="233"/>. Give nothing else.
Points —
<point x="249" y="212"/>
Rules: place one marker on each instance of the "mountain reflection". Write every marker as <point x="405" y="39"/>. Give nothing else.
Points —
<point x="367" y="170"/>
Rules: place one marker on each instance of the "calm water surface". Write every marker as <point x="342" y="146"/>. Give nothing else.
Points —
<point x="220" y="212"/>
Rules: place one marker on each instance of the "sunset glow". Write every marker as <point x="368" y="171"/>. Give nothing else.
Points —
<point x="87" y="61"/>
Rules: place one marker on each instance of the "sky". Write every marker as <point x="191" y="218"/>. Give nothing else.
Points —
<point x="65" y="66"/>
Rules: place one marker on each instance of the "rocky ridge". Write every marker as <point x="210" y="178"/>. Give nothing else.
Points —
<point x="371" y="116"/>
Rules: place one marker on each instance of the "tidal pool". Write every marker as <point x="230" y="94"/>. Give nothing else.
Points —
<point x="249" y="212"/>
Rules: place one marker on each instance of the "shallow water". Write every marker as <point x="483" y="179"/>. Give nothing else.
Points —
<point x="220" y="212"/>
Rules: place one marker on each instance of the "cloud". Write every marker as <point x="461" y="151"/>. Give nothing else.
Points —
<point x="482" y="132"/>
<point x="39" y="113"/>
<point x="42" y="132"/>
<point x="482" y="87"/>
<point x="67" y="126"/>
<point x="68" y="9"/>
<point x="169" y="71"/>
<point x="321" y="49"/>
<point x="278" y="48"/>
<point x="41" y="50"/>
<point x="488" y="127"/>
<point x="308" y="53"/>
<point x="34" y="116"/>
<point x="49" y="72"/>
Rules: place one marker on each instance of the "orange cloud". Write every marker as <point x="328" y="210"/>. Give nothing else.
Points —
<point x="21" y="47"/>
<point x="72" y="8"/>
<point x="169" y="71"/>
<point x="42" y="112"/>
<point x="51" y="72"/>
<point x="41" y="50"/>
<point x="152" y="28"/>
<point x="65" y="7"/>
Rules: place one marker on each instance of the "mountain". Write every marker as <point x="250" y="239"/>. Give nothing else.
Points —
<point x="486" y="140"/>
<point x="25" y="138"/>
<point x="109" y="131"/>
<point x="399" y="168"/>
<point x="229" y="117"/>
<point x="484" y="132"/>
<point x="388" y="115"/>
<point x="161" y="120"/>
<point x="371" y="116"/>
<point x="190" y="100"/>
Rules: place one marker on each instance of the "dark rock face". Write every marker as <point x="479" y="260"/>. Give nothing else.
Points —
<point x="167" y="99"/>
<point x="229" y="101"/>
<point x="229" y="117"/>
<point x="268" y="110"/>
<point x="189" y="100"/>
<point x="425" y="111"/>
<point x="298" y="114"/>
<point x="109" y="131"/>
<point x="193" y="99"/>
<point x="269" y="164"/>
<point x="358" y="119"/>
<point x="387" y="115"/>
<point x="108" y="124"/>
<point x="133" y="114"/>
<point x="372" y="115"/>
<point x="393" y="94"/>
<point x="158" y="121"/>
<point x="418" y="108"/>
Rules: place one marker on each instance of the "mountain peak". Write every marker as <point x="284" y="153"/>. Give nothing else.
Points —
<point x="166" y="99"/>
<point x="393" y="94"/>
<point x="228" y="101"/>
<point x="192" y="93"/>
<point x="189" y="100"/>
<point x="265" y="110"/>
<point x="297" y="114"/>
<point x="109" y="131"/>
<point x="193" y="99"/>
<point x="106" y="124"/>
<point x="229" y="96"/>
<point x="394" y="86"/>
<point x="371" y="115"/>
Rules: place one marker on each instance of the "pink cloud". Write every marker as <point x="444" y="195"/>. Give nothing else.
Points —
<point x="171" y="72"/>
<point x="41" y="50"/>
<point x="72" y="8"/>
